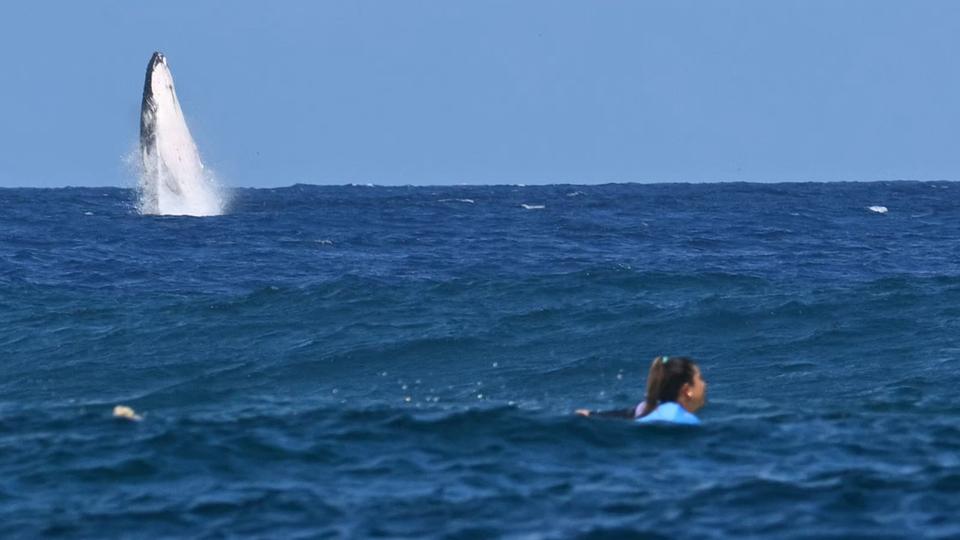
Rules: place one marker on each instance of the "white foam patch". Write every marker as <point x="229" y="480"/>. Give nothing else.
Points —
<point x="878" y="209"/>
<point x="533" y="206"/>
<point x="466" y="201"/>
<point x="173" y="180"/>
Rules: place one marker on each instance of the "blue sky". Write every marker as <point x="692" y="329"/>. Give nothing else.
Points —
<point x="449" y="92"/>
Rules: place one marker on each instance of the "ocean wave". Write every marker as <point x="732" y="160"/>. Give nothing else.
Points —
<point x="422" y="363"/>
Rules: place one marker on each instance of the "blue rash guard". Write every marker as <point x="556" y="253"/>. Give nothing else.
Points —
<point x="668" y="412"/>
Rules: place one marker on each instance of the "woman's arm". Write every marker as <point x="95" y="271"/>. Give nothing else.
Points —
<point x="615" y="413"/>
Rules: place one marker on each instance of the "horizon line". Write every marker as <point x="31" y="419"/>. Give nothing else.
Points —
<point x="519" y="184"/>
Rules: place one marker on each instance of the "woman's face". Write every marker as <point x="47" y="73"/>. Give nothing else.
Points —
<point x="695" y="392"/>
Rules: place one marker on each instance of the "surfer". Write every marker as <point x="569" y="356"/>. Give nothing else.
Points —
<point x="675" y="390"/>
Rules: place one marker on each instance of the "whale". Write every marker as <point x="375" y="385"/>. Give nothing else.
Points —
<point x="173" y="179"/>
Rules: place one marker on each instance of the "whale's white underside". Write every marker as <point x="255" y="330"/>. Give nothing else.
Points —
<point x="173" y="180"/>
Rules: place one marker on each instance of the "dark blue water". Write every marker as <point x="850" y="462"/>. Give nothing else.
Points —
<point x="353" y="362"/>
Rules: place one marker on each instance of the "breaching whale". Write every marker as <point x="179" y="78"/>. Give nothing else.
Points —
<point x="173" y="180"/>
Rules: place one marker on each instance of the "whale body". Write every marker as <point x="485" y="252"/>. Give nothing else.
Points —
<point x="173" y="180"/>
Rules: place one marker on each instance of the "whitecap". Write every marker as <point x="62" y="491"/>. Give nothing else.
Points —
<point x="468" y="201"/>
<point x="575" y="194"/>
<point x="533" y="206"/>
<point x="878" y="209"/>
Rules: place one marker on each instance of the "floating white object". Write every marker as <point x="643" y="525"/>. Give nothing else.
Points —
<point x="533" y="206"/>
<point x="122" y="411"/>
<point x="878" y="209"/>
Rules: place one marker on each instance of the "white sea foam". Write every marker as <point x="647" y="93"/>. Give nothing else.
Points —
<point x="173" y="180"/>
<point x="878" y="209"/>
<point x="467" y="201"/>
<point x="533" y="206"/>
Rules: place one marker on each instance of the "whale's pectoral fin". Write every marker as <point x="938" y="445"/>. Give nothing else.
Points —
<point x="169" y="180"/>
<point x="172" y="185"/>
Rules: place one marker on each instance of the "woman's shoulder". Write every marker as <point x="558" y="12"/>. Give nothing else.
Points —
<point x="670" y="412"/>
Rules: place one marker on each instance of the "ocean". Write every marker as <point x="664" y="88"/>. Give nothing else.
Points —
<point x="403" y="362"/>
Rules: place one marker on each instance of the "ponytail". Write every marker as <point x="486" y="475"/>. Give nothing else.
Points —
<point x="667" y="376"/>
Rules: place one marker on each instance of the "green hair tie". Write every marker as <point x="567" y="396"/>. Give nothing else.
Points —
<point x="664" y="359"/>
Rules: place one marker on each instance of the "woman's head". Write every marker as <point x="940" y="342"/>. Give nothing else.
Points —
<point x="675" y="378"/>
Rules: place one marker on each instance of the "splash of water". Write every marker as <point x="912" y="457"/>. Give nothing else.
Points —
<point x="173" y="180"/>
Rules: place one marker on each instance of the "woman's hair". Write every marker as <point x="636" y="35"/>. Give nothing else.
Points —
<point x="667" y="376"/>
